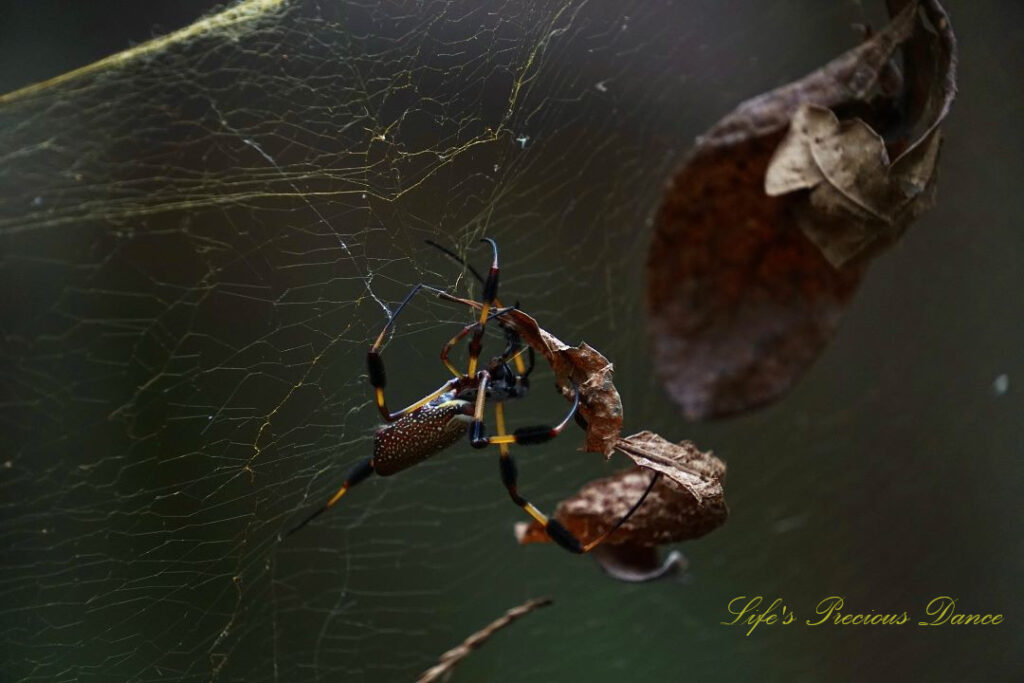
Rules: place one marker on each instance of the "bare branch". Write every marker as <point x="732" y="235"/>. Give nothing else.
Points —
<point x="450" y="659"/>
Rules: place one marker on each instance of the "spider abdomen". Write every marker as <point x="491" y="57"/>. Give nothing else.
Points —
<point x="415" y="437"/>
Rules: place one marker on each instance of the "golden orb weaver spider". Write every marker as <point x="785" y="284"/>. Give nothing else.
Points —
<point x="442" y="417"/>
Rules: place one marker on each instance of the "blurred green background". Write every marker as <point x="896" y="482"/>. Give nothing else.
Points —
<point x="195" y="246"/>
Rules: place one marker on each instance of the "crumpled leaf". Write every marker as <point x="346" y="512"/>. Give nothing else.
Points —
<point x="686" y="503"/>
<point x="857" y="197"/>
<point x="698" y="472"/>
<point x="740" y="299"/>
<point x="588" y="370"/>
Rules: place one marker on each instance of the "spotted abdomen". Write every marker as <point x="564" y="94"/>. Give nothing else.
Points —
<point x="419" y="435"/>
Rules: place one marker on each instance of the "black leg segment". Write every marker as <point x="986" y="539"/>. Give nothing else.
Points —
<point x="357" y="474"/>
<point x="563" y="537"/>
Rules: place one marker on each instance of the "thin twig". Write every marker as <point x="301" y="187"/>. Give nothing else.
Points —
<point x="452" y="657"/>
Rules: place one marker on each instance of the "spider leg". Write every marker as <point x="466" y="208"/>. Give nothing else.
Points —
<point x="514" y="350"/>
<point x="447" y="386"/>
<point x="555" y="529"/>
<point x="489" y="296"/>
<point x="472" y="327"/>
<point x="525" y="436"/>
<point x="447" y="348"/>
<point x="525" y="372"/>
<point x="375" y="366"/>
<point x="508" y="469"/>
<point x="517" y="358"/>
<point x="357" y="474"/>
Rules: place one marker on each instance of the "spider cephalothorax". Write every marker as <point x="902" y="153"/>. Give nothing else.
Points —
<point x="441" y="418"/>
<point x="504" y="383"/>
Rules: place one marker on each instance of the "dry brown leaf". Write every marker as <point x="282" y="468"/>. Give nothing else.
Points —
<point x="686" y="503"/>
<point x="857" y="197"/>
<point x="740" y="299"/>
<point x="698" y="472"/>
<point x="588" y="370"/>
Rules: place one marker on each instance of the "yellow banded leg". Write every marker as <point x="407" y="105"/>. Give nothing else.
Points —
<point x="509" y="476"/>
<point x="499" y="422"/>
<point x="357" y="474"/>
<point x="451" y="344"/>
<point x="382" y="406"/>
<point x="447" y="386"/>
<point x="508" y="464"/>
<point x="476" y="344"/>
<point x="477" y="432"/>
<point x="519" y="362"/>
<point x="388" y="416"/>
<point x="528" y="436"/>
<point x="378" y="378"/>
<point x="489" y="295"/>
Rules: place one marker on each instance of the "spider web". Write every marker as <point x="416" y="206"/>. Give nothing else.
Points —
<point x="201" y="240"/>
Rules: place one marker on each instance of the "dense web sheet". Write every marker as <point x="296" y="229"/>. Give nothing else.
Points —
<point x="201" y="240"/>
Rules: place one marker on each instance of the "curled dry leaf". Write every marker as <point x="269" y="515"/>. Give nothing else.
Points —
<point x="588" y="370"/>
<point x="688" y="502"/>
<point x="449" y="660"/>
<point x="700" y="473"/>
<point x="857" y="200"/>
<point x="745" y="288"/>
